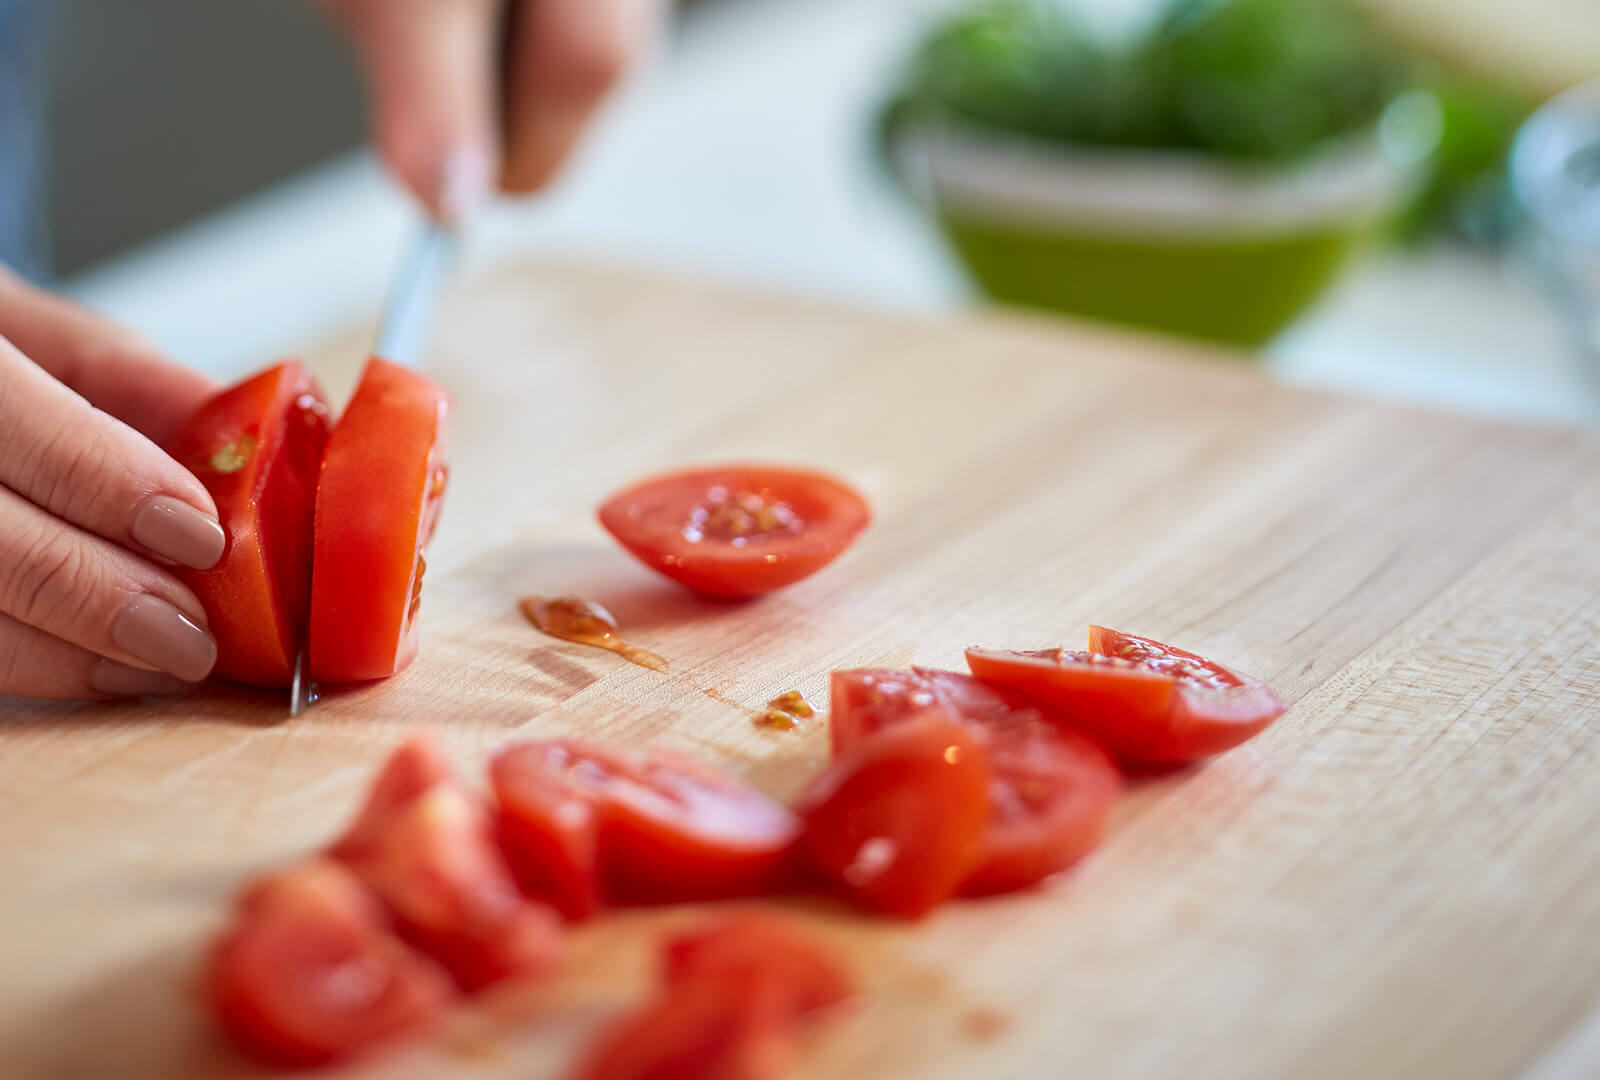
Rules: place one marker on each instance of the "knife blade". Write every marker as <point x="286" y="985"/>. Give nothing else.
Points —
<point x="402" y="331"/>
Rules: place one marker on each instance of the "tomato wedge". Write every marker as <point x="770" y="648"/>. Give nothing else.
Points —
<point x="735" y="992"/>
<point x="415" y="766"/>
<point x="758" y="953"/>
<point x="736" y="531"/>
<point x="664" y="827"/>
<point x="308" y="973"/>
<point x="256" y="447"/>
<point x="897" y="822"/>
<point x="1148" y="703"/>
<point x="1050" y="791"/>
<point x="378" y="497"/>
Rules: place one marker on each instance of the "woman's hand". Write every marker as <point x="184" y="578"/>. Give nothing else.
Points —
<point x="91" y="510"/>
<point x="447" y="122"/>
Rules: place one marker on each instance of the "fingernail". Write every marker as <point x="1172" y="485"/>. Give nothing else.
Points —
<point x="163" y="637"/>
<point x="175" y="530"/>
<point x="119" y="680"/>
<point x="464" y="184"/>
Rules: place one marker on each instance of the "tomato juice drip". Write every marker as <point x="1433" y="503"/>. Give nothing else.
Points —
<point x="585" y="622"/>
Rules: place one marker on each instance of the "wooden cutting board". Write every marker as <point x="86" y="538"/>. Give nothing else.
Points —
<point x="1400" y="879"/>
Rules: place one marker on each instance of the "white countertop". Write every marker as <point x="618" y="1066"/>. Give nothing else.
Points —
<point x="744" y="156"/>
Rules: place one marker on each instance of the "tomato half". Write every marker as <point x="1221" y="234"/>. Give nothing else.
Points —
<point x="666" y="828"/>
<point x="308" y="973"/>
<point x="736" y="530"/>
<point x="758" y="953"/>
<point x="378" y="498"/>
<point x="897" y="821"/>
<point x="257" y="447"/>
<point x="1050" y="791"/>
<point x="1146" y="702"/>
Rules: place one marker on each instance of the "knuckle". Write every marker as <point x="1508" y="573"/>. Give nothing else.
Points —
<point x="54" y="584"/>
<point x="78" y="478"/>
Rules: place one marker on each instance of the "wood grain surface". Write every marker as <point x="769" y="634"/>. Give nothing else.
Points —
<point x="1400" y="879"/>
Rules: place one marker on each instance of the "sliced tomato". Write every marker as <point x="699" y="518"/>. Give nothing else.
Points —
<point x="705" y="1030"/>
<point x="736" y="530"/>
<point x="759" y="954"/>
<point x="547" y="827"/>
<point x="440" y="875"/>
<point x="1148" y="703"/>
<point x="415" y="766"/>
<point x="1050" y="791"/>
<point x="308" y="973"/>
<point x="257" y="447"/>
<point x="897" y="821"/>
<point x="378" y="498"/>
<point x="666" y="828"/>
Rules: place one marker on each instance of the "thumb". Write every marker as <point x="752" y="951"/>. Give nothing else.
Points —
<point x="430" y="70"/>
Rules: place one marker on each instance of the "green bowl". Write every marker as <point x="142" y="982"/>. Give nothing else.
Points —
<point x="1171" y="240"/>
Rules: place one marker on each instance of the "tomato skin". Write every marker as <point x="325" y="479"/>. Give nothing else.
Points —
<point x="378" y="500"/>
<point x="308" y="973"/>
<point x="1148" y="704"/>
<point x="897" y="822"/>
<point x="1051" y="791"/>
<point x="653" y="519"/>
<point x="416" y="766"/>
<point x="666" y="829"/>
<point x="256" y="447"/>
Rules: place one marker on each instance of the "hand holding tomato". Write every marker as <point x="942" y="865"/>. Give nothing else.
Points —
<point x="93" y="516"/>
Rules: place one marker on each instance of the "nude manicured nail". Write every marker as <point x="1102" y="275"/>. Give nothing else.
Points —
<point x="164" y="637"/>
<point x="119" y="680"/>
<point x="175" y="530"/>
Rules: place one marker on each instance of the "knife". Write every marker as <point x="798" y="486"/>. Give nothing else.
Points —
<point x="407" y="315"/>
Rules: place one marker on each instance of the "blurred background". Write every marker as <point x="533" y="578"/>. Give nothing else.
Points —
<point x="1324" y="183"/>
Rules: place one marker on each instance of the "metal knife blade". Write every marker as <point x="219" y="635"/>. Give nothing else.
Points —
<point x="407" y="315"/>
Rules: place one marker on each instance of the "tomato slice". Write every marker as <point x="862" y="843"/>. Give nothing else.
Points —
<point x="1148" y="703"/>
<point x="736" y="530"/>
<point x="308" y="973"/>
<point x="378" y="498"/>
<point x="257" y="447"/>
<point x="758" y="953"/>
<point x="897" y="822"/>
<point x="1050" y="792"/>
<point x="417" y="765"/>
<point x="665" y="827"/>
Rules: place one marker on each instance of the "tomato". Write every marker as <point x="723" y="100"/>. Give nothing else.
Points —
<point x="440" y="875"/>
<point x="378" y="498"/>
<point x="897" y="821"/>
<point x="1148" y="703"/>
<point x="256" y="447"/>
<point x="705" y="1030"/>
<point x="735" y="991"/>
<point x="416" y="765"/>
<point x="665" y="828"/>
<point x="754" y="952"/>
<point x="308" y="973"/>
<point x="736" y="530"/>
<point x="1050" y="791"/>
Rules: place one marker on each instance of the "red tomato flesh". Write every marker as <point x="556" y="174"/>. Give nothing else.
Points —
<point x="736" y="531"/>
<point x="415" y="766"/>
<point x="257" y="447"/>
<point x="308" y="973"/>
<point x="1050" y="791"/>
<point x="378" y="498"/>
<point x="1148" y="703"/>
<point x="754" y="951"/>
<point x="665" y="827"/>
<point x="897" y="822"/>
